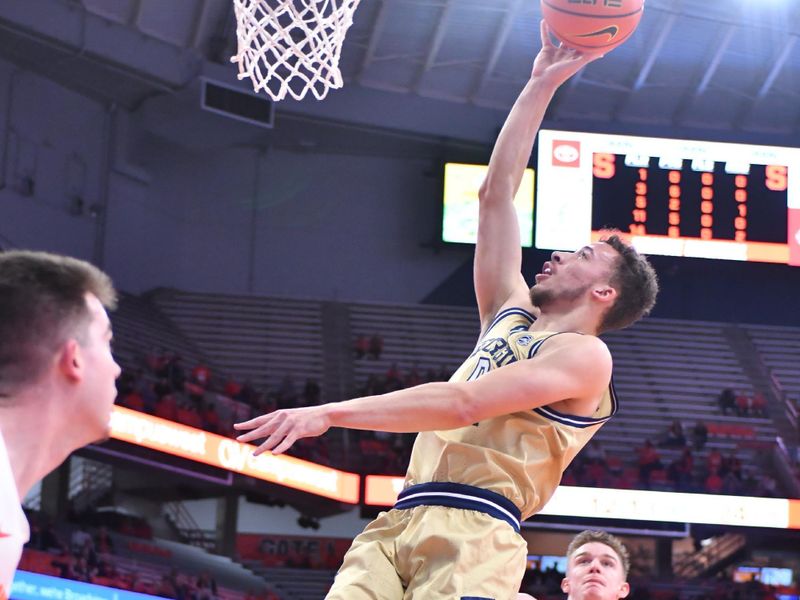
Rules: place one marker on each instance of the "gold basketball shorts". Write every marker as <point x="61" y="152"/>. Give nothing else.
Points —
<point x="440" y="541"/>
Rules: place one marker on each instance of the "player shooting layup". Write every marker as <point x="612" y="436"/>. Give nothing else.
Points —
<point x="497" y="437"/>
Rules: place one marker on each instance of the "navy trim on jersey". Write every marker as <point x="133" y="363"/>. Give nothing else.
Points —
<point x="499" y="317"/>
<point x="573" y="420"/>
<point x="507" y="312"/>
<point x="458" y="495"/>
<point x="614" y="400"/>
<point x="565" y="419"/>
<point x="535" y="347"/>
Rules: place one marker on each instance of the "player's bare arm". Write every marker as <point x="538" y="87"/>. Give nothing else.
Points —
<point x="498" y="253"/>
<point x="570" y="372"/>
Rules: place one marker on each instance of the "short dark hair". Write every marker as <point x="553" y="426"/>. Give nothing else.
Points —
<point x="42" y="304"/>
<point x="613" y="542"/>
<point x="636" y="283"/>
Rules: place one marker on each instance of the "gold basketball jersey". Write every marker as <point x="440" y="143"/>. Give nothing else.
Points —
<point x="521" y="455"/>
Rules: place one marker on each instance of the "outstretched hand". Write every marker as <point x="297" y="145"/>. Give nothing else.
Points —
<point x="283" y="428"/>
<point x="558" y="63"/>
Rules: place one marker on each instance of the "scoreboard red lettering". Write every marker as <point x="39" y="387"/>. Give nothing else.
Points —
<point x="777" y="178"/>
<point x="603" y="166"/>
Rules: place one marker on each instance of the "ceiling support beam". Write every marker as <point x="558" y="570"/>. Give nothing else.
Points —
<point x="647" y="66"/>
<point x="374" y="38"/>
<point x="497" y="48"/>
<point x="747" y="110"/>
<point x="195" y="34"/>
<point x="655" y="50"/>
<point x="711" y="70"/>
<point x="777" y="66"/>
<point x="704" y="79"/>
<point x="136" y="11"/>
<point x="436" y="44"/>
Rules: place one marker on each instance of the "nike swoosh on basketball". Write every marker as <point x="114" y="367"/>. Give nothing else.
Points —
<point x="611" y="30"/>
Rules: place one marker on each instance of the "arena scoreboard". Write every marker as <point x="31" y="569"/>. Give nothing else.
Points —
<point x="670" y="197"/>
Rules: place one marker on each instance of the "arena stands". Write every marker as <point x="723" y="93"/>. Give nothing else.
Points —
<point x="430" y="339"/>
<point x="140" y="328"/>
<point x="668" y="377"/>
<point x="151" y="566"/>
<point x="263" y="340"/>
<point x="663" y="369"/>
<point x="779" y="348"/>
<point x="300" y="583"/>
<point x="286" y="568"/>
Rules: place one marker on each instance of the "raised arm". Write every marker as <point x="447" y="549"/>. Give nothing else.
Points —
<point x="498" y="253"/>
<point x="570" y="367"/>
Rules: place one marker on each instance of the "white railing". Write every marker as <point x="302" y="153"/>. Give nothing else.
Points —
<point x="187" y="527"/>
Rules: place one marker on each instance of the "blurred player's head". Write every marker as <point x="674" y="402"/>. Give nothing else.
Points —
<point x="55" y="340"/>
<point x="608" y="278"/>
<point x="597" y="567"/>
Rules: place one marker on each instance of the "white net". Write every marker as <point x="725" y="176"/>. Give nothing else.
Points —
<point x="292" y="46"/>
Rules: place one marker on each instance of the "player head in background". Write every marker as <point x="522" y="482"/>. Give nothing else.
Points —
<point x="597" y="567"/>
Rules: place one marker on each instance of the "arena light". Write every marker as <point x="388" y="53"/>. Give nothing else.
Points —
<point x="676" y="507"/>
<point x="201" y="446"/>
<point x="382" y="490"/>
<point x="640" y="505"/>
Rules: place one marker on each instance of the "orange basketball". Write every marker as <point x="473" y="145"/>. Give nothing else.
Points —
<point x="592" y="25"/>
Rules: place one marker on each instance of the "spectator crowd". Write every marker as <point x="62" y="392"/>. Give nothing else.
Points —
<point x="87" y="554"/>
<point x="163" y="386"/>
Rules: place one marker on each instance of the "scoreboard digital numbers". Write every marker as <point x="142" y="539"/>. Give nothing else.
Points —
<point x="670" y="197"/>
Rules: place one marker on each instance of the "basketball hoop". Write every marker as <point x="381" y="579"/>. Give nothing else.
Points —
<point x="292" y="46"/>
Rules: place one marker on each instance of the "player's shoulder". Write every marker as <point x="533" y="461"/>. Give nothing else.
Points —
<point x="582" y="347"/>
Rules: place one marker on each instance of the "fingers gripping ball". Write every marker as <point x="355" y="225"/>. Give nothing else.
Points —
<point x="592" y="25"/>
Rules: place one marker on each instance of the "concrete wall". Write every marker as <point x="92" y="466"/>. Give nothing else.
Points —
<point x="219" y="218"/>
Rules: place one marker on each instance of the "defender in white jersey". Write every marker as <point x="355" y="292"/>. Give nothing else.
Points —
<point x="496" y="438"/>
<point x="56" y="377"/>
<point x="14" y="531"/>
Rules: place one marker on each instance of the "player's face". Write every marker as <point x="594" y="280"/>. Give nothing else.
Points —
<point x="568" y="276"/>
<point x="595" y="572"/>
<point x="101" y="370"/>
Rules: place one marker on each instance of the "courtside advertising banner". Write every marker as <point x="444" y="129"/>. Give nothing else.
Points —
<point x="201" y="446"/>
<point x="34" y="586"/>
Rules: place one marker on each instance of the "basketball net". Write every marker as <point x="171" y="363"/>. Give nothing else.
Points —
<point x="292" y="46"/>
